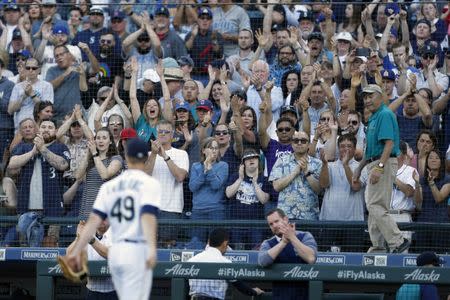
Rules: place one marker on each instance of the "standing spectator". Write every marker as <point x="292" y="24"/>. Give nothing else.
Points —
<point x="11" y="14"/>
<point x="8" y="198"/>
<point x="214" y="253"/>
<point x="171" y="43"/>
<point x="43" y="111"/>
<point x="287" y="246"/>
<point x="229" y="19"/>
<point x="110" y="105"/>
<point x="429" y="76"/>
<point x="145" y="46"/>
<point x="170" y="167"/>
<point x="67" y="79"/>
<point x="296" y="177"/>
<point x="27" y="93"/>
<point x="184" y="126"/>
<point x="49" y="15"/>
<point x="405" y="199"/>
<point x="426" y="141"/>
<point x="286" y="62"/>
<point x="440" y="108"/>
<point x="203" y="43"/>
<point x="100" y="165"/>
<point x="229" y="152"/>
<point x="248" y="191"/>
<point x="380" y="157"/>
<point x="207" y="183"/>
<point x="255" y="91"/>
<point x="355" y="127"/>
<point x="341" y="201"/>
<point x="20" y="45"/>
<point x="435" y="189"/>
<point x="92" y="35"/>
<point x="74" y="21"/>
<point x="40" y="184"/>
<point x="6" y="120"/>
<point x="119" y="24"/>
<point x="187" y="66"/>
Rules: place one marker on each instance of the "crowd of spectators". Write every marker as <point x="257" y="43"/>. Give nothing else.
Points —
<point x="247" y="107"/>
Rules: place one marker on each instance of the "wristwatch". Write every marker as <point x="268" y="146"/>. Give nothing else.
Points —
<point x="167" y="158"/>
<point x="92" y="241"/>
<point x="381" y="165"/>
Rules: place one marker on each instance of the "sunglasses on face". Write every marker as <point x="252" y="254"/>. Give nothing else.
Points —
<point x="75" y="124"/>
<point x="300" y="141"/>
<point x="224" y="132"/>
<point x="354" y="122"/>
<point x="428" y="56"/>
<point x="106" y="42"/>
<point x="325" y="119"/>
<point x="284" y="129"/>
<point x="164" y="132"/>
<point x="96" y="14"/>
<point x="31" y="68"/>
<point x="143" y="40"/>
<point x="116" y="21"/>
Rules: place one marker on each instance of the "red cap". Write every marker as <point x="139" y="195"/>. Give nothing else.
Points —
<point x="128" y="133"/>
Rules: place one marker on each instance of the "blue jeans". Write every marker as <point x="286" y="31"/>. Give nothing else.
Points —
<point x="30" y="226"/>
<point x="199" y="235"/>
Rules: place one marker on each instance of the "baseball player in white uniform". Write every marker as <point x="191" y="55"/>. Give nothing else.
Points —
<point x="131" y="203"/>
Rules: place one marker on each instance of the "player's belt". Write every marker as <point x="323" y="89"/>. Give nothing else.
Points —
<point x="134" y="241"/>
<point x="399" y="211"/>
<point x="202" y="297"/>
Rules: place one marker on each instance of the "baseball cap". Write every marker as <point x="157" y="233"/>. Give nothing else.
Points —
<point x="137" y="148"/>
<point x="306" y="15"/>
<point x="95" y="10"/>
<point x="25" y="53"/>
<point x="250" y="153"/>
<point x="388" y="74"/>
<point x="48" y="2"/>
<point x="162" y="10"/>
<point x="344" y="36"/>
<point x="423" y="21"/>
<point x="151" y="75"/>
<point x="276" y="27"/>
<point x="372" y="88"/>
<point x="170" y="62"/>
<point x="60" y="29"/>
<point x="186" y="61"/>
<point x="315" y="35"/>
<point x="205" y="104"/>
<point x="429" y="258"/>
<point x="392" y="9"/>
<point x="128" y="133"/>
<point x="16" y="34"/>
<point x="205" y="11"/>
<point x="182" y="105"/>
<point x="10" y="5"/>
<point x="288" y="108"/>
<point x="218" y="63"/>
<point x="429" y="49"/>
<point x="118" y="14"/>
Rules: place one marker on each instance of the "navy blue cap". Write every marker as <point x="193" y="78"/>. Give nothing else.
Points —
<point x="205" y="104"/>
<point x="185" y="60"/>
<point x="306" y="15"/>
<point x="388" y="74"/>
<point x="392" y="9"/>
<point x="10" y="5"/>
<point x="288" y="108"/>
<point x="423" y="21"/>
<point x="137" y="148"/>
<point x="60" y="29"/>
<point x="429" y="49"/>
<point x="16" y="34"/>
<point x="25" y="53"/>
<point x="162" y="10"/>
<point x="429" y="258"/>
<point x="205" y="11"/>
<point x="118" y="14"/>
<point x="315" y="36"/>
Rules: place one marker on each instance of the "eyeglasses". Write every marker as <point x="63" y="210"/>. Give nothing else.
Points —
<point x="164" y="132"/>
<point x="115" y="21"/>
<point x="106" y="42"/>
<point x="324" y="119"/>
<point x="353" y="122"/>
<point x="115" y="124"/>
<point x="60" y="54"/>
<point x="21" y="58"/>
<point x="428" y="56"/>
<point x="223" y="132"/>
<point x="300" y="141"/>
<point x="48" y="5"/>
<point x="143" y="40"/>
<point x="31" y="68"/>
<point x="205" y="18"/>
<point x="284" y="129"/>
<point x="96" y="14"/>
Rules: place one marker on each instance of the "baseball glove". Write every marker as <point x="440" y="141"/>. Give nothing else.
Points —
<point x="69" y="269"/>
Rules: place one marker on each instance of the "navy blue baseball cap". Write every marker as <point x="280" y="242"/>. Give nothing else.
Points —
<point x="60" y="29"/>
<point x="16" y="34"/>
<point x="388" y="74"/>
<point x="118" y="14"/>
<point x="162" y="10"/>
<point x="205" y="104"/>
<point x="10" y="5"/>
<point x="429" y="258"/>
<point x="205" y="11"/>
<point x="306" y="15"/>
<point x="25" y="53"/>
<point x="182" y="105"/>
<point x="137" y="148"/>
<point x="392" y="9"/>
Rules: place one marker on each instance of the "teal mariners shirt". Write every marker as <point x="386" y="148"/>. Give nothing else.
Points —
<point x="382" y="126"/>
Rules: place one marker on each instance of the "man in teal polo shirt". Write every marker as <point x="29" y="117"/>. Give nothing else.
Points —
<point x="382" y="148"/>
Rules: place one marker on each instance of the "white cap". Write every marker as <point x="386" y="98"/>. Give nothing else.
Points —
<point x="344" y="35"/>
<point x="151" y="75"/>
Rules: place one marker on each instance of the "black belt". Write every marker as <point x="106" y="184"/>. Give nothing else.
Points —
<point x="134" y="241"/>
<point x="201" y="297"/>
<point x="372" y="159"/>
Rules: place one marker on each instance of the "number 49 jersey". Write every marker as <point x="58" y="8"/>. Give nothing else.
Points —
<point x="123" y="199"/>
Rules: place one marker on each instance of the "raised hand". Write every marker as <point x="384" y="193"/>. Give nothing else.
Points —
<point x="262" y="39"/>
<point x="83" y="46"/>
<point x="211" y="73"/>
<point x="134" y="64"/>
<point x="160" y="69"/>
<point x="293" y="39"/>
<point x="356" y="79"/>
<point x="77" y="112"/>
<point x="269" y="86"/>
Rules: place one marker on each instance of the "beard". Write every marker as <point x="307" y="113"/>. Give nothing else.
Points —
<point x="49" y="139"/>
<point x="143" y="51"/>
<point x="106" y="50"/>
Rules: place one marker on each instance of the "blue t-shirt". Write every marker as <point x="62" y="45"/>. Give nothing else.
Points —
<point x="92" y="39"/>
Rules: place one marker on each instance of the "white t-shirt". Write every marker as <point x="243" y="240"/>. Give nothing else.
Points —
<point x="172" y="200"/>
<point x="100" y="284"/>
<point x="399" y="199"/>
<point x="122" y="200"/>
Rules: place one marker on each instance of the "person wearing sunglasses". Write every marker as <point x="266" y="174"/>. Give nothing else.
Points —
<point x="296" y="177"/>
<point x="354" y="127"/>
<point x="29" y="92"/>
<point x="341" y="202"/>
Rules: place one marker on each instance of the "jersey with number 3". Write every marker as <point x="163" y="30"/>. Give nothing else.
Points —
<point x="123" y="200"/>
